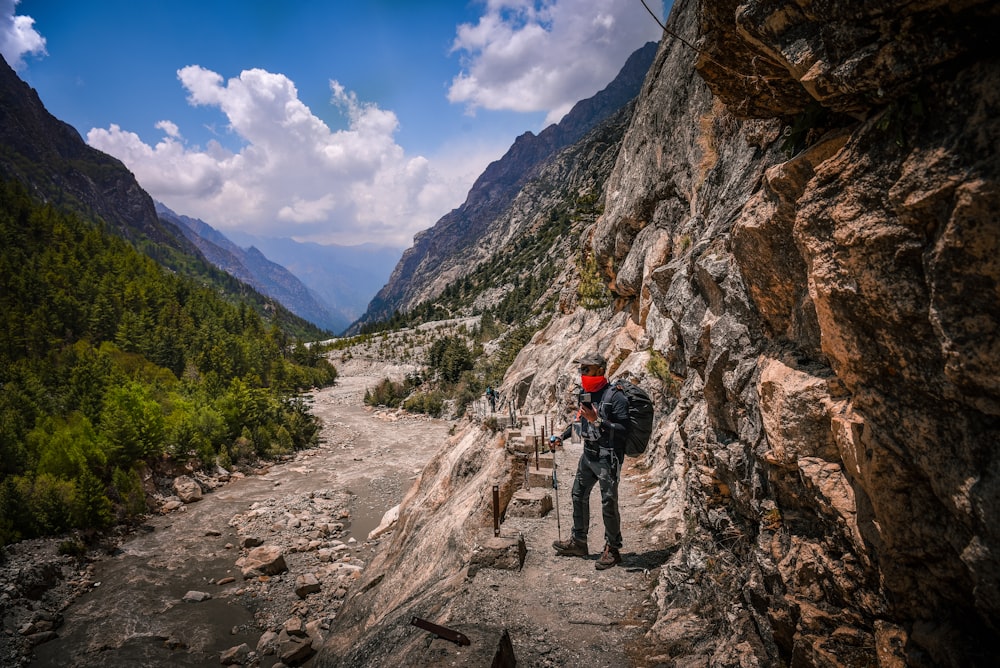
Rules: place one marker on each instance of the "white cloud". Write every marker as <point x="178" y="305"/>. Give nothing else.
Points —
<point x="18" y="35"/>
<point x="546" y="55"/>
<point x="294" y="176"/>
<point x="302" y="211"/>
<point x="169" y="128"/>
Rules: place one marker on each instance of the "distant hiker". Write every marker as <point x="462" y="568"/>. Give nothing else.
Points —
<point x="491" y="394"/>
<point x="603" y="416"/>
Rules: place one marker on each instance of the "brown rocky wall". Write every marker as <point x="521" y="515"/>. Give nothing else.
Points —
<point x="830" y="305"/>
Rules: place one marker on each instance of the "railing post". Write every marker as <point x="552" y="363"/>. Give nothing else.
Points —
<point x="496" y="510"/>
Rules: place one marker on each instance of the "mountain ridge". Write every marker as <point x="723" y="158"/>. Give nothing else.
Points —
<point x="343" y="278"/>
<point x="252" y="267"/>
<point x="50" y="158"/>
<point x="496" y="188"/>
<point x="82" y="177"/>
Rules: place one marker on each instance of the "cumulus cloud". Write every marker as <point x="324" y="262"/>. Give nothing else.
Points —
<point x="546" y="55"/>
<point x="18" y="35"/>
<point x="169" y="128"/>
<point x="294" y="175"/>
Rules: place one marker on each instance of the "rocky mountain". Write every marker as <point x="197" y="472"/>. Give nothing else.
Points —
<point x="253" y="268"/>
<point x="456" y="240"/>
<point x="799" y="236"/>
<point x="51" y="159"/>
<point x="343" y="278"/>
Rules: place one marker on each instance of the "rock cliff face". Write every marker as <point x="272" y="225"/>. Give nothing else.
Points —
<point x="801" y="233"/>
<point x="829" y="300"/>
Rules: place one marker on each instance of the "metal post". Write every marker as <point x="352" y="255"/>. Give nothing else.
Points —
<point x="504" y="658"/>
<point x="496" y="510"/>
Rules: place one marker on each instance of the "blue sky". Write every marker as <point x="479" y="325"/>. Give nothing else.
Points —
<point x="325" y="121"/>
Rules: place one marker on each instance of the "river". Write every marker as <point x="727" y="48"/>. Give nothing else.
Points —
<point x="134" y="613"/>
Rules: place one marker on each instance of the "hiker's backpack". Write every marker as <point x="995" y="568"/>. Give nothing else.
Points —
<point x="640" y="417"/>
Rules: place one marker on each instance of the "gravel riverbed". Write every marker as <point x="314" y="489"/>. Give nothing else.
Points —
<point x="188" y="587"/>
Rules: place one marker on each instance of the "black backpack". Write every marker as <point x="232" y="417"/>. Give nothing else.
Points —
<point x="640" y="417"/>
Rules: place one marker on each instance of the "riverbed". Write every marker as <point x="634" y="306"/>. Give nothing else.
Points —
<point x="319" y="508"/>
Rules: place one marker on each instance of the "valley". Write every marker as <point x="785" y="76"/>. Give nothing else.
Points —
<point x="317" y="507"/>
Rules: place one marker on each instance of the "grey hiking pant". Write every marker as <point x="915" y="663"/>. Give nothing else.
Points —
<point x="605" y="470"/>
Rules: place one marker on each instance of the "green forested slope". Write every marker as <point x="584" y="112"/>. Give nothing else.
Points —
<point x="109" y="362"/>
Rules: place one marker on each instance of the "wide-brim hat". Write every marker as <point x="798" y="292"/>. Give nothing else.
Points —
<point x="592" y="359"/>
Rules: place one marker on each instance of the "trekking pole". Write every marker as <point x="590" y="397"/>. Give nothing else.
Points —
<point x="555" y="488"/>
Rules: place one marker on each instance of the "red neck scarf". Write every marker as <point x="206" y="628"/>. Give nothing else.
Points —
<point x="593" y="383"/>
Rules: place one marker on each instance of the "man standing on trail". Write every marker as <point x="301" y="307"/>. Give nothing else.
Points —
<point x="603" y="416"/>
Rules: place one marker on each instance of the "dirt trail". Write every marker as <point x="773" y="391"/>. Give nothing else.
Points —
<point x="561" y="611"/>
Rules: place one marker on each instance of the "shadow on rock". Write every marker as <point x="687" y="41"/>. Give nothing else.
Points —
<point x="633" y="561"/>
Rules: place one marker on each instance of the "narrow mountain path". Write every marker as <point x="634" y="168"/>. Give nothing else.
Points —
<point x="561" y="611"/>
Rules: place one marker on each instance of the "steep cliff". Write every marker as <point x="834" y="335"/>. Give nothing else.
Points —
<point x="829" y="297"/>
<point x="801" y="224"/>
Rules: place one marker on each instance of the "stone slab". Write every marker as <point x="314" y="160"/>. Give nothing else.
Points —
<point x="536" y="502"/>
<point x="504" y="553"/>
<point x="541" y="477"/>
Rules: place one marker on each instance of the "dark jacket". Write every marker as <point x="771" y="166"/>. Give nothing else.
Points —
<point x="612" y="409"/>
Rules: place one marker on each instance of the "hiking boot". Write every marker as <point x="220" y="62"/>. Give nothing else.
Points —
<point x="570" y="548"/>
<point x="610" y="557"/>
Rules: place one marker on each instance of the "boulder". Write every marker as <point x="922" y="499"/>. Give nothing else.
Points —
<point x="534" y="502"/>
<point x="264" y="560"/>
<point x="500" y="552"/>
<point x="41" y="637"/>
<point x="306" y="584"/>
<point x="187" y="489"/>
<point x="170" y="505"/>
<point x="294" y="626"/>
<point x="235" y="656"/>
<point x="196" y="597"/>
<point x="250" y="542"/>
<point x="294" y="650"/>
<point x="267" y="643"/>
<point x="387" y="523"/>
